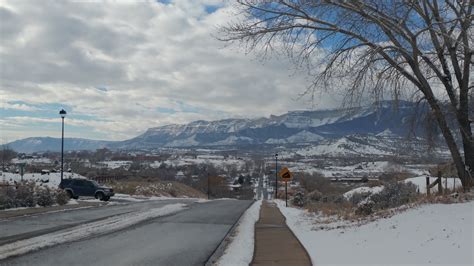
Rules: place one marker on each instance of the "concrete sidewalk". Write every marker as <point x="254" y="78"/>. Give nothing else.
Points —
<point x="275" y="244"/>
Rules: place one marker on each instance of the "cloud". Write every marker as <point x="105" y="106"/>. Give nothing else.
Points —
<point x="126" y="65"/>
<point x="18" y="106"/>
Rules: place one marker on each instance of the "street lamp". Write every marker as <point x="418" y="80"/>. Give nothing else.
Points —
<point x="62" y="113"/>
<point x="276" y="175"/>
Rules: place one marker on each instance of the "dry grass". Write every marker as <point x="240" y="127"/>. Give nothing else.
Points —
<point x="343" y="210"/>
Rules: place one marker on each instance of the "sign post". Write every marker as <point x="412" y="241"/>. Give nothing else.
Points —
<point x="286" y="176"/>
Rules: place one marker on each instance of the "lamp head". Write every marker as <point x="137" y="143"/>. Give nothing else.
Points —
<point x="62" y="113"/>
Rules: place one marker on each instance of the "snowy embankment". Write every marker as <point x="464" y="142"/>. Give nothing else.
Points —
<point x="371" y="190"/>
<point x="420" y="182"/>
<point x="430" y="234"/>
<point x="51" y="180"/>
<point x="240" y="249"/>
<point x="85" y="230"/>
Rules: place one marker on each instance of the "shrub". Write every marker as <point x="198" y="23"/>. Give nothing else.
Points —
<point x="357" y="198"/>
<point x="25" y="196"/>
<point x="298" y="199"/>
<point x="61" y="197"/>
<point x="7" y="197"/>
<point x="365" y="208"/>
<point x="394" y="195"/>
<point x="333" y="199"/>
<point x="44" y="196"/>
<point x="315" y="195"/>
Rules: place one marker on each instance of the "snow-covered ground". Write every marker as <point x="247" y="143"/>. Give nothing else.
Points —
<point x="86" y="230"/>
<point x="371" y="190"/>
<point x="32" y="161"/>
<point x="370" y="169"/>
<point x="420" y="182"/>
<point x="115" y="164"/>
<point x="429" y="234"/>
<point x="51" y="180"/>
<point x="240" y="249"/>
<point x="216" y="161"/>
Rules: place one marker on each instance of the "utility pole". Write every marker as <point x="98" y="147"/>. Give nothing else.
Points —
<point x="276" y="175"/>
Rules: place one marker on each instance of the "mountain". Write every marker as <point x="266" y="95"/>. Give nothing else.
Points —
<point x="37" y="144"/>
<point x="292" y="128"/>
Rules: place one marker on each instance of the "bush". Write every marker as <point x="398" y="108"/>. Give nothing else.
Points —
<point x="61" y="197"/>
<point x="334" y="199"/>
<point x="7" y="197"/>
<point x="365" y="208"/>
<point x="25" y="194"/>
<point x="394" y="195"/>
<point x="357" y="198"/>
<point x="44" y="196"/>
<point x="314" y="196"/>
<point x="298" y="199"/>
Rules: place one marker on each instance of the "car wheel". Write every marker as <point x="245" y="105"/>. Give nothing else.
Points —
<point x="69" y="193"/>
<point x="106" y="198"/>
<point x="99" y="196"/>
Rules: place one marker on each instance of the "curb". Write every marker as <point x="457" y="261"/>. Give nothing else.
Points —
<point x="219" y="251"/>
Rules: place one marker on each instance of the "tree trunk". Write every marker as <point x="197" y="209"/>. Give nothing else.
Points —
<point x="453" y="147"/>
<point x="468" y="146"/>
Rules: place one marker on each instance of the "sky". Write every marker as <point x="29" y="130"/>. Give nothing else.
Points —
<point x="119" y="68"/>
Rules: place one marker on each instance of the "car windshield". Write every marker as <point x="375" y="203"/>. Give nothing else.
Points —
<point x="95" y="183"/>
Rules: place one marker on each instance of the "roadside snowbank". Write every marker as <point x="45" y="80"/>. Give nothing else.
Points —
<point x="430" y="234"/>
<point x="240" y="249"/>
<point x="86" y="230"/>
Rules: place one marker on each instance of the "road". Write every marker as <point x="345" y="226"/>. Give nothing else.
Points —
<point x="188" y="237"/>
<point x="262" y="188"/>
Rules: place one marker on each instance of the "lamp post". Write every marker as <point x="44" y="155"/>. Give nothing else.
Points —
<point x="62" y="113"/>
<point x="276" y="175"/>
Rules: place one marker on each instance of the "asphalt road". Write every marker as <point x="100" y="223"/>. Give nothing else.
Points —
<point x="262" y="192"/>
<point x="13" y="229"/>
<point x="188" y="237"/>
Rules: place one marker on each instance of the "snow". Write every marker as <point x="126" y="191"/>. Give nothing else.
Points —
<point x="342" y="146"/>
<point x="430" y="234"/>
<point x="302" y="136"/>
<point x="232" y="140"/>
<point x="420" y="182"/>
<point x="116" y="164"/>
<point x="191" y="141"/>
<point x="371" y="190"/>
<point x="32" y="161"/>
<point x="85" y="230"/>
<point x="240" y="249"/>
<point x="51" y="180"/>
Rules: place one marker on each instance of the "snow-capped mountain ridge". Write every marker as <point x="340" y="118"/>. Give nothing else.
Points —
<point x="294" y="127"/>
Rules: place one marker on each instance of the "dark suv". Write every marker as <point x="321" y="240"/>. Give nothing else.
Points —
<point x="82" y="187"/>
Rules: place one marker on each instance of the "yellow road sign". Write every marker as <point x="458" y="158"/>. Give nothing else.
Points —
<point x="285" y="174"/>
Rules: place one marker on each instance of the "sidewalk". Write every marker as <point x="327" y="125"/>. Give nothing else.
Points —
<point x="275" y="244"/>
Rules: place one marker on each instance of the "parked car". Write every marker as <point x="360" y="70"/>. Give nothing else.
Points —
<point x="76" y="187"/>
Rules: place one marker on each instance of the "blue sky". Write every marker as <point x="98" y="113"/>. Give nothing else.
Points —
<point x="121" y="68"/>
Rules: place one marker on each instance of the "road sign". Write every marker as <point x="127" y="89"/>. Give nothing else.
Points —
<point x="285" y="174"/>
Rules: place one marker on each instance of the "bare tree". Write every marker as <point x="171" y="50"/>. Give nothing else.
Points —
<point x="372" y="47"/>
